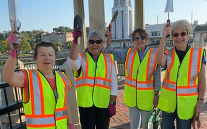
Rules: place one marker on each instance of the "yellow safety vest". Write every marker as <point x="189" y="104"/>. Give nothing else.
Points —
<point x="180" y="84"/>
<point x="139" y="90"/>
<point x="44" y="110"/>
<point x="94" y="83"/>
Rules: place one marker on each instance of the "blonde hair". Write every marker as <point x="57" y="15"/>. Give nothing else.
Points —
<point x="181" y="24"/>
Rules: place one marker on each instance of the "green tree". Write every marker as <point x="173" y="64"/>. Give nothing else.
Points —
<point x="25" y="45"/>
<point x="58" y="44"/>
<point x="4" y="46"/>
<point x="69" y="44"/>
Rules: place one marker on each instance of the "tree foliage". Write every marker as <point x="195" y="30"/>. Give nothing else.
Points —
<point x="25" y="45"/>
<point x="62" y="29"/>
<point x="4" y="46"/>
<point x="58" y="46"/>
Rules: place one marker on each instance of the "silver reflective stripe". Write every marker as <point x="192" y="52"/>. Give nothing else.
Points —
<point x="60" y="113"/>
<point x="169" y="60"/>
<point x="66" y="80"/>
<point x="129" y="61"/>
<point x="130" y="82"/>
<point x="187" y="90"/>
<point x="85" y="81"/>
<point x="143" y="85"/>
<point x="169" y="85"/>
<point x="151" y="63"/>
<point x="36" y="90"/>
<point x="40" y="121"/>
<point x="193" y="65"/>
<point x="109" y="66"/>
<point x="102" y="82"/>
<point x="84" y="64"/>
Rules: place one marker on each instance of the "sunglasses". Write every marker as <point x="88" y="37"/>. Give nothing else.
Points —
<point x="182" y="34"/>
<point x="95" y="41"/>
<point x="137" y="38"/>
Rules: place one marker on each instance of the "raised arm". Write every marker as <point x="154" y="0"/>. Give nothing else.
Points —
<point x="73" y="54"/>
<point x="109" y="36"/>
<point x="161" y="58"/>
<point x="15" y="79"/>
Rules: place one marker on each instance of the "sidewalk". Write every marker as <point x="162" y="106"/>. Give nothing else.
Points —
<point x="121" y="119"/>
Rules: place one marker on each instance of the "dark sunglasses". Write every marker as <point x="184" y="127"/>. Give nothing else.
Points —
<point x="182" y="34"/>
<point x="95" y="41"/>
<point x="141" y="38"/>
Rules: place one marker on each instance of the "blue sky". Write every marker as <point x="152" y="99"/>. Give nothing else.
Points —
<point x="48" y="14"/>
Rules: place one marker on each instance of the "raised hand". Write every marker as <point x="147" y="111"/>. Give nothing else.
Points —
<point x="166" y="30"/>
<point x="76" y="33"/>
<point x="14" y="41"/>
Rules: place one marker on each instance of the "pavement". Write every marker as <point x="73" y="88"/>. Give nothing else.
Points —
<point x="121" y="119"/>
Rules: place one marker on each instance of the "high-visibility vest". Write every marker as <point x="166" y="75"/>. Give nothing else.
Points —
<point x="139" y="90"/>
<point x="94" y="83"/>
<point x="180" y="84"/>
<point x="43" y="109"/>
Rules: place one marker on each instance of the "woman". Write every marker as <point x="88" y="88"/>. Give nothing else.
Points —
<point x="142" y="77"/>
<point x="44" y="91"/>
<point x="95" y="82"/>
<point x="184" y="83"/>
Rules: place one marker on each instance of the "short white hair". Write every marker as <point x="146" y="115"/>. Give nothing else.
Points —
<point x="94" y="33"/>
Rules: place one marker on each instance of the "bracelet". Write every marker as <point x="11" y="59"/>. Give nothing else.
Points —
<point x="201" y="99"/>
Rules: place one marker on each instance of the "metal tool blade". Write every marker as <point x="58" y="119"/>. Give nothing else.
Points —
<point x="114" y="17"/>
<point x="14" y="15"/>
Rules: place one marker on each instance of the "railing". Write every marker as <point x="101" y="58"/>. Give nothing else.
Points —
<point x="120" y="68"/>
<point x="8" y="110"/>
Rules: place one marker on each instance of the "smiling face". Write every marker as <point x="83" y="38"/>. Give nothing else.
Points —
<point x="139" y="42"/>
<point x="95" y="48"/>
<point x="45" y="58"/>
<point x="180" y="38"/>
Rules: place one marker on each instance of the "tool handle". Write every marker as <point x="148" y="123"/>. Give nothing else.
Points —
<point x="168" y="35"/>
<point x="109" y="27"/>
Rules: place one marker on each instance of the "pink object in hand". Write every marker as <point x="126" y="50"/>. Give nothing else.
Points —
<point x="72" y="126"/>
<point x="76" y="33"/>
<point x="14" y="41"/>
<point x="112" y="110"/>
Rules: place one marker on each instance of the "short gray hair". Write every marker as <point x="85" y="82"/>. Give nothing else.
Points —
<point x="181" y="24"/>
<point x="94" y="33"/>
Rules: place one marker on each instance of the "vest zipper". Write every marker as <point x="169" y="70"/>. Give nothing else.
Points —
<point x="176" y="86"/>
<point x="94" y="80"/>
<point x="136" y="85"/>
<point x="56" y="97"/>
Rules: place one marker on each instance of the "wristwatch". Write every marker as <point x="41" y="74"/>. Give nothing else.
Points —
<point x="114" y="103"/>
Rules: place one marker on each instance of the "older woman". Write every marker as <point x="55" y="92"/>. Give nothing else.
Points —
<point x="44" y="97"/>
<point x="184" y="83"/>
<point x="95" y="81"/>
<point x="142" y="77"/>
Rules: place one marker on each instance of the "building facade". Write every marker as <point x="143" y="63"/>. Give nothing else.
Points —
<point x="123" y="26"/>
<point x="57" y="37"/>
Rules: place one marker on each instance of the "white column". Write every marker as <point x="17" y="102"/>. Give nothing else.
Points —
<point x="79" y="10"/>
<point x="97" y="15"/>
<point x="139" y="14"/>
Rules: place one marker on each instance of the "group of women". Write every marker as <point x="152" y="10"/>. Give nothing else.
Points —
<point x="180" y="98"/>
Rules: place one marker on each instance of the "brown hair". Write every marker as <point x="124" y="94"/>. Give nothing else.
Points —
<point x="43" y="44"/>
<point x="142" y="32"/>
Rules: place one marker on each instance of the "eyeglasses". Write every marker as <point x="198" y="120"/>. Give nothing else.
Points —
<point x="141" y="38"/>
<point x="95" y="41"/>
<point x="182" y="34"/>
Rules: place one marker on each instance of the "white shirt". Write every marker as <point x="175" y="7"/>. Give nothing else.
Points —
<point x="76" y="64"/>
